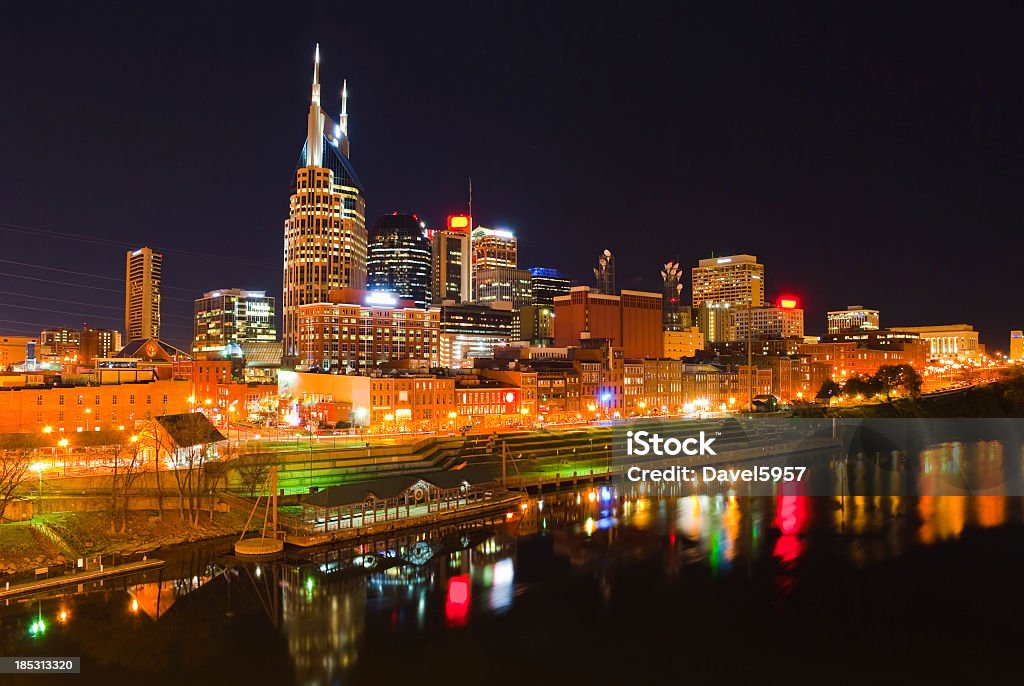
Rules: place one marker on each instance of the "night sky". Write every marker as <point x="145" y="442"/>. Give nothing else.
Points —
<point x="867" y="154"/>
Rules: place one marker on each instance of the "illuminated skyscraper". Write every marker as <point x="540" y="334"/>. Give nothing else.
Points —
<point x="548" y="284"/>
<point x="143" y="270"/>
<point x="325" y="233"/>
<point x="399" y="258"/>
<point x="737" y="280"/>
<point x="504" y="284"/>
<point x="451" y="260"/>
<point x="492" y="248"/>
<point x="232" y="315"/>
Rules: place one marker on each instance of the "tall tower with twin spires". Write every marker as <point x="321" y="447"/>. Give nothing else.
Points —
<point x="325" y="234"/>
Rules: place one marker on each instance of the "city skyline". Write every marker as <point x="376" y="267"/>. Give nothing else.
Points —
<point x="551" y="213"/>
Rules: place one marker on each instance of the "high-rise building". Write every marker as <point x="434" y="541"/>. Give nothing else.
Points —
<point x="472" y="331"/>
<point x="548" y="284"/>
<point x="97" y="344"/>
<point x="232" y="315"/>
<point x="399" y="259"/>
<point x="604" y="273"/>
<point x="143" y="271"/>
<point x="450" y="256"/>
<point x="504" y="284"/>
<point x="733" y="280"/>
<point x="492" y="248"/>
<point x="631" y="320"/>
<point x="325" y="238"/>
<point x="853" y="318"/>
<point x="1016" y="345"/>
<point x="713" y="321"/>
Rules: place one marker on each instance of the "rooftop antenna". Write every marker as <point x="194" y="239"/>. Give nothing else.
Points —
<point x="471" y="203"/>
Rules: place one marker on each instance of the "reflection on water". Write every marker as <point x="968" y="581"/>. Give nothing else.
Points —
<point x="312" y="618"/>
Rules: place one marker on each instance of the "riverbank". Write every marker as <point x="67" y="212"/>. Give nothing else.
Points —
<point x="24" y="549"/>
<point x="1003" y="399"/>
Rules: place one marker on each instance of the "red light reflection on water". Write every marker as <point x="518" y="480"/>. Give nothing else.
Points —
<point x="791" y="520"/>
<point x="456" y="607"/>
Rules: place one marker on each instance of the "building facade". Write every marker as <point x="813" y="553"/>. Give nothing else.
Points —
<point x="399" y="258"/>
<point x="736" y="280"/>
<point x="450" y="260"/>
<point x="72" y="409"/>
<point x="14" y="349"/>
<point x="97" y="343"/>
<point x="952" y="342"/>
<point x="846" y="359"/>
<point x="492" y="248"/>
<point x="504" y="284"/>
<point x="631" y="320"/>
<point x="472" y="331"/>
<point x="683" y="343"/>
<point x="853" y="318"/>
<point x="143" y="275"/>
<point x="765" y="322"/>
<point x="548" y="284"/>
<point x="357" y="331"/>
<point x="232" y="315"/>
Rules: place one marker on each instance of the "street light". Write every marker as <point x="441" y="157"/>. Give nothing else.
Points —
<point x="63" y="443"/>
<point x="38" y="468"/>
<point x="88" y="411"/>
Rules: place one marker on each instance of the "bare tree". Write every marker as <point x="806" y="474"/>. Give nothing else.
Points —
<point x="253" y="470"/>
<point x="125" y="463"/>
<point x="16" y="451"/>
<point x="215" y="471"/>
<point x="190" y="448"/>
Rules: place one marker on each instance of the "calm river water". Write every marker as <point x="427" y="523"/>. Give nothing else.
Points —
<point x="590" y="586"/>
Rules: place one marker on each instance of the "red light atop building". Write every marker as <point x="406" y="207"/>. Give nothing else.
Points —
<point x="788" y="303"/>
<point x="458" y="222"/>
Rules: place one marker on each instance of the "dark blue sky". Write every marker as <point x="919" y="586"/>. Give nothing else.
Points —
<point x="868" y="154"/>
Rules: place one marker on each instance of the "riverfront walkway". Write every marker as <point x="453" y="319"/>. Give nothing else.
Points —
<point x="79" y="578"/>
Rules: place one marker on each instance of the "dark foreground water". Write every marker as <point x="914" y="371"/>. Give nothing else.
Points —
<point x="594" y="586"/>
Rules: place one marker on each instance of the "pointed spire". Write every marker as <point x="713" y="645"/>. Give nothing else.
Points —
<point x="343" y="119"/>
<point x="316" y="76"/>
<point x="315" y="120"/>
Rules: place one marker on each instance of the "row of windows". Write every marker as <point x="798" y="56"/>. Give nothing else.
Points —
<point x="97" y="400"/>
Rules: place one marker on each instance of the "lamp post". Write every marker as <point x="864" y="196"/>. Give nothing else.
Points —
<point x="63" y="443"/>
<point x="88" y="412"/>
<point x="47" y="430"/>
